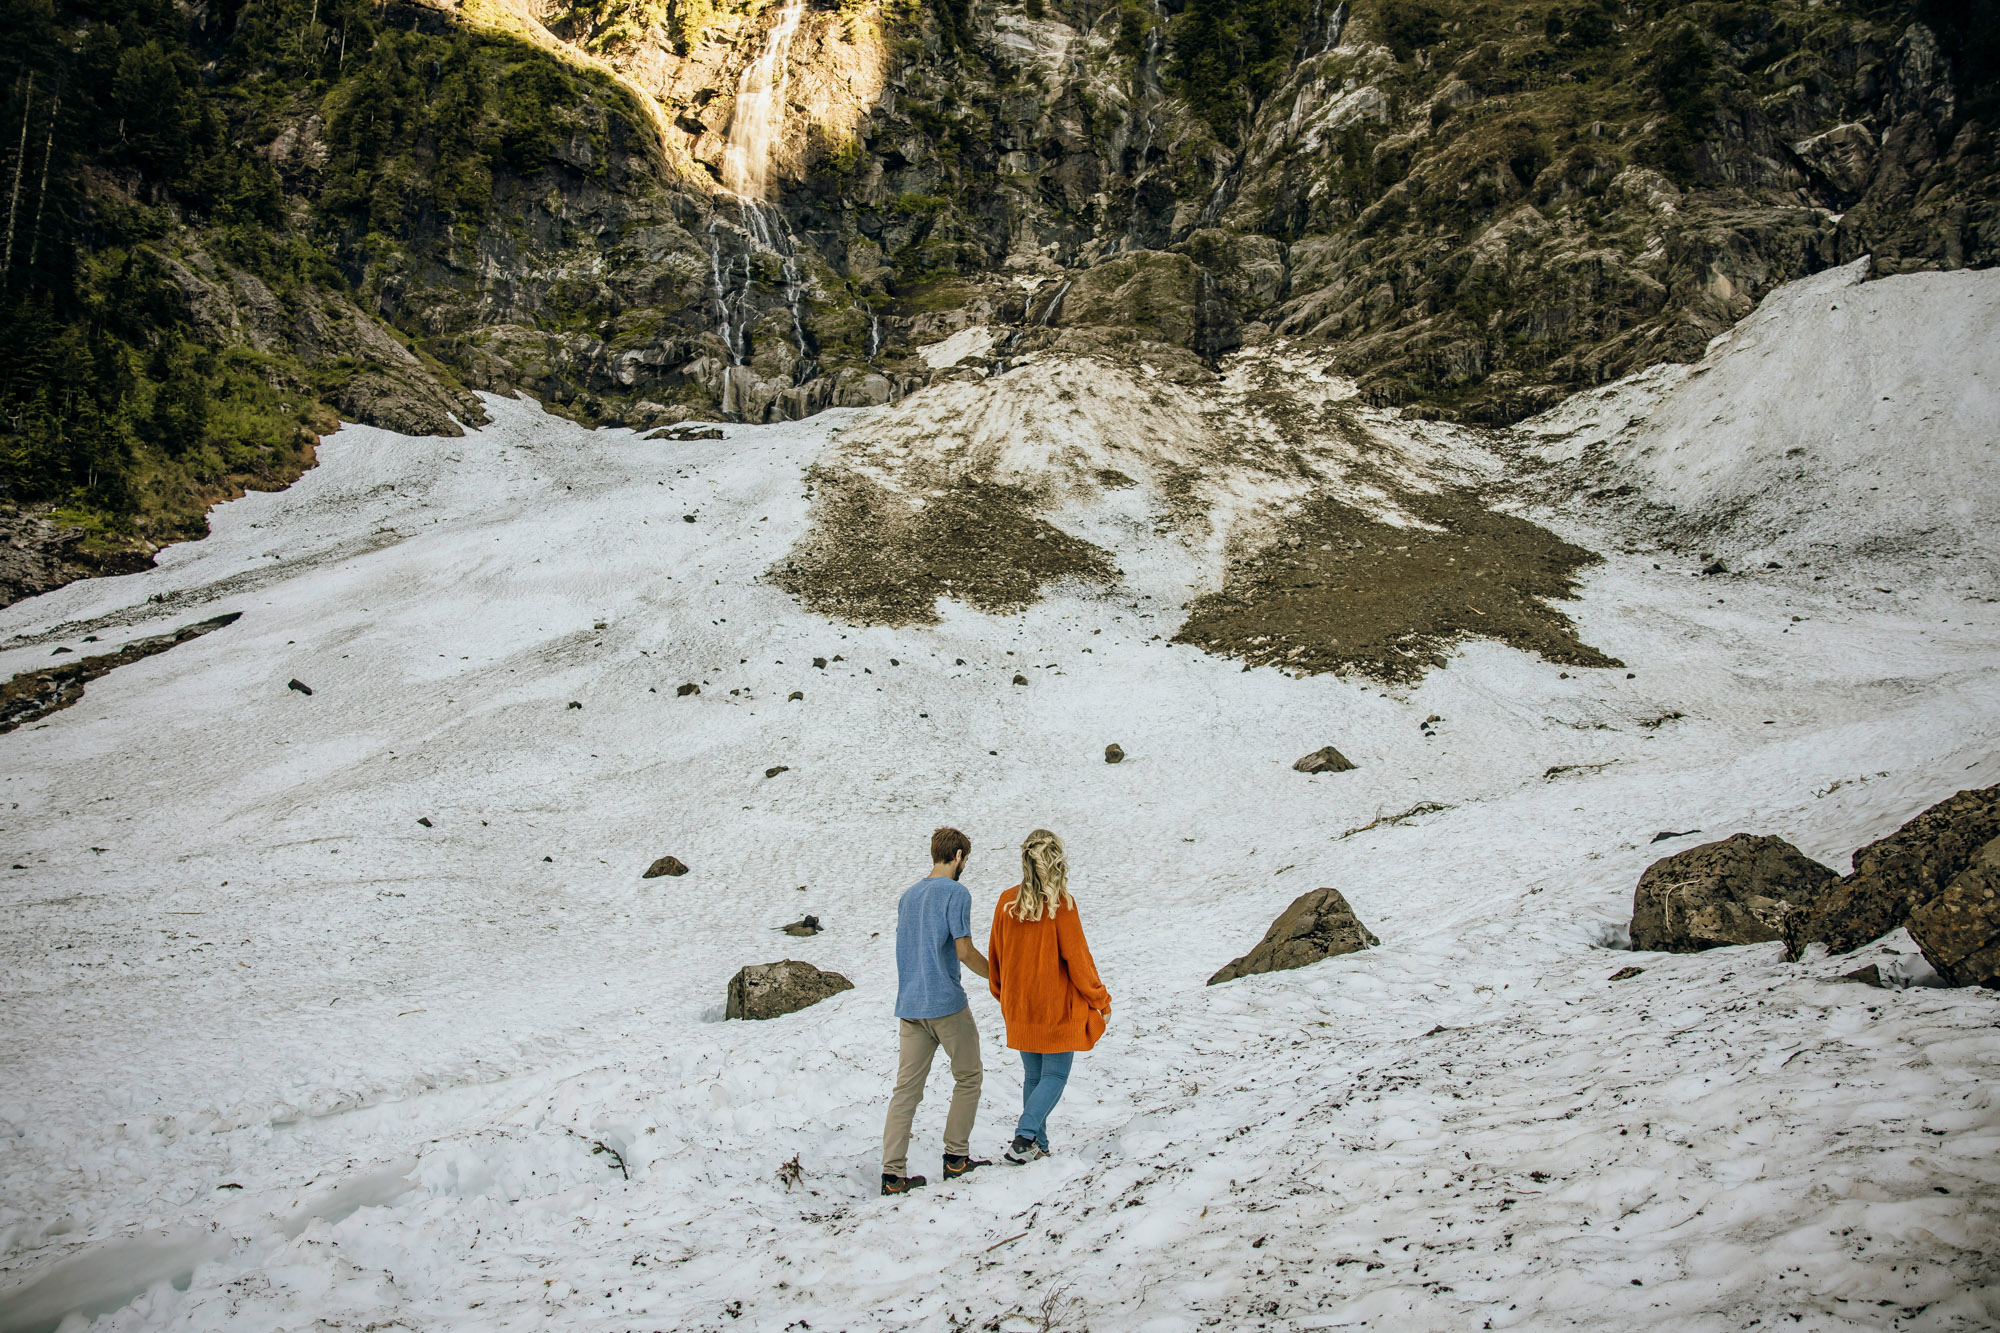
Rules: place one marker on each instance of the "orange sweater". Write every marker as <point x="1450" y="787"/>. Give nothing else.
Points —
<point x="1045" y="980"/>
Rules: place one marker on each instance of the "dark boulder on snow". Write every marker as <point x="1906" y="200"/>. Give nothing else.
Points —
<point x="1114" y="754"/>
<point x="1317" y="925"/>
<point x="767" y="990"/>
<point x="1737" y="891"/>
<point x="1959" y="930"/>
<point x="1898" y="875"/>
<point x="803" y="927"/>
<point x="666" y="865"/>
<point x="687" y="689"/>
<point x="300" y="686"/>
<point x="1326" y="759"/>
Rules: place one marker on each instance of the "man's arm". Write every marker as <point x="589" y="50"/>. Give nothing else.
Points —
<point x="968" y="953"/>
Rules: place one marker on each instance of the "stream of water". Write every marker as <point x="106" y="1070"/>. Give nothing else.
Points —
<point x="758" y="121"/>
<point x="756" y="127"/>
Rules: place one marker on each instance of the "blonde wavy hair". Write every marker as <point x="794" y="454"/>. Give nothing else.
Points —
<point x="1044" y="878"/>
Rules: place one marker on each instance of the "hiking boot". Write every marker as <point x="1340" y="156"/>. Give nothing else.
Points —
<point x="1024" y="1151"/>
<point x="955" y="1166"/>
<point x="902" y="1184"/>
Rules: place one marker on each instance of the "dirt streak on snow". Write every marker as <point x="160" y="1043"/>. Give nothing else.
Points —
<point x="275" y="1053"/>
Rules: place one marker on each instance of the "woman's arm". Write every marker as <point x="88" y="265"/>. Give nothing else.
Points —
<point x="1075" y="951"/>
<point x="993" y="950"/>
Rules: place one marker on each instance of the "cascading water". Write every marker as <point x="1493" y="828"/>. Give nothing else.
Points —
<point x="756" y="126"/>
<point x="759" y="118"/>
<point x="1053" y="310"/>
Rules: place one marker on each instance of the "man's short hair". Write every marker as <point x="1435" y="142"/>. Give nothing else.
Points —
<point x="947" y="843"/>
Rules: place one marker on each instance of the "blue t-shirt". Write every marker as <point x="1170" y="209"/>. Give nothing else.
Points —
<point x="933" y="913"/>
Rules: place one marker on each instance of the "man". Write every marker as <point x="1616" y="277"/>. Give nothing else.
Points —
<point x="933" y="936"/>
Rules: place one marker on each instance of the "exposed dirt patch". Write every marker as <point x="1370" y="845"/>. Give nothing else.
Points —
<point x="1341" y="590"/>
<point x="33" y="695"/>
<point x="876" y="557"/>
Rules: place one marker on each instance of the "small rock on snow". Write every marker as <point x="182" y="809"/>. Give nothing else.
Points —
<point x="1959" y="930"/>
<point x="1737" y="891"/>
<point x="768" y="990"/>
<point x="1899" y="874"/>
<point x="666" y="865"/>
<point x="1317" y="925"/>
<point x="776" y="769"/>
<point x="802" y="927"/>
<point x="687" y="689"/>
<point x="1114" y="754"/>
<point x="1326" y="759"/>
<point x="296" y="684"/>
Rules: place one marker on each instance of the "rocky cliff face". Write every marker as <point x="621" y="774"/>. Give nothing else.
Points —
<point x="646" y="211"/>
<point x="1475" y="212"/>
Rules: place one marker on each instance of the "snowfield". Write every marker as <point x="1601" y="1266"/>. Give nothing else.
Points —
<point x="278" y="1056"/>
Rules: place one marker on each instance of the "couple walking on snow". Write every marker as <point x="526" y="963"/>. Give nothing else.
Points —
<point x="1036" y="964"/>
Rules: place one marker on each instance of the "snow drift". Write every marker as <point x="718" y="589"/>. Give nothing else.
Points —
<point x="277" y="1052"/>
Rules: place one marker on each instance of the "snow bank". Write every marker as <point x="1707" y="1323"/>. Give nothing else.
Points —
<point x="1842" y="420"/>
<point x="272" y="1052"/>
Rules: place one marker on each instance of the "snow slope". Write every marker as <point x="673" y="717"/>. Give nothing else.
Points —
<point x="1841" y="419"/>
<point x="277" y="1056"/>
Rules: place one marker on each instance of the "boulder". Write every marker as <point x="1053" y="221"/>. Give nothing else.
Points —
<point x="803" y="927"/>
<point x="1324" y="760"/>
<point x="1317" y="925"/>
<point x="1114" y="754"/>
<point x="1898" y="875"/>
<point x="1959" y="930"/>
<point x="766" y="990"/>
<point x="666" y="865"/>
<point x="1737" y="891"/>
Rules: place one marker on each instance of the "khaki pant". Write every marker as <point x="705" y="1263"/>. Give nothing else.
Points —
<point x="921" y="1038"/>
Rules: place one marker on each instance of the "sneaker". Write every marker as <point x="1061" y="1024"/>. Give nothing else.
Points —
<point x="955" y="1165"/>
<point x="902" y="1184"/>
<point x="1024" y="1151"/>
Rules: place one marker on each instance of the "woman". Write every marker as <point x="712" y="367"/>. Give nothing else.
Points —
<point x="1049" y="992"/>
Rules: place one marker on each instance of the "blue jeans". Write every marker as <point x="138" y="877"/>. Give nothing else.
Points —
<point x="1045" y="1076"/>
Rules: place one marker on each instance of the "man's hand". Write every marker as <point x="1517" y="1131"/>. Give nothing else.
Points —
<point x="968" y="953"/>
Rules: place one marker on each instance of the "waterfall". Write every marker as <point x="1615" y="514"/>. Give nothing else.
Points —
<point x="1149" y="98"/>
<point x="1053" y="310"/>
<point x="756" y="126"/>
<point x="758" y="121"/>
